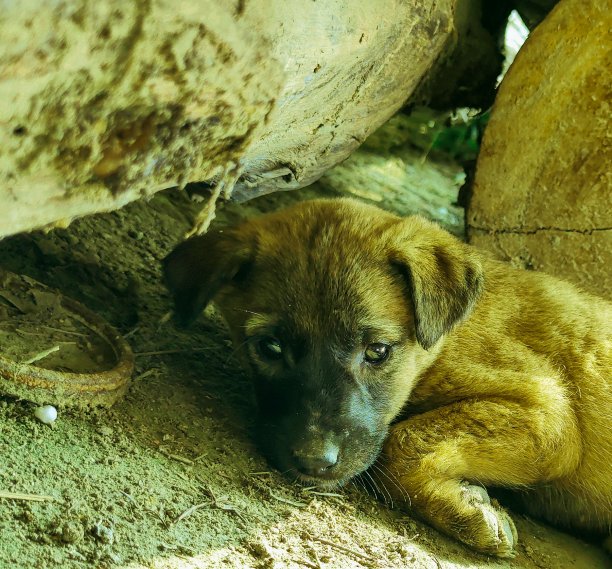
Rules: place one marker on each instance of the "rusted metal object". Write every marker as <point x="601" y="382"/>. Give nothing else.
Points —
<point x="90" y="388"/>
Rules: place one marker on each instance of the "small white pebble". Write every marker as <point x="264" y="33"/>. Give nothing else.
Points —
<point x="46" y="414"/>
<point x="103" y="533"/>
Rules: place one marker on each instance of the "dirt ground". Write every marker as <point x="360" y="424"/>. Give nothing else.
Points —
<point x="170" y="477"/>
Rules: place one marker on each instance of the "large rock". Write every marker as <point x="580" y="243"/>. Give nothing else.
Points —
<point x="105" y="102"/>
<point x="542" y="196"/>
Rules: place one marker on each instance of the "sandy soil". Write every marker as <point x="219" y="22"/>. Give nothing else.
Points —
<point x="170" y="477"/>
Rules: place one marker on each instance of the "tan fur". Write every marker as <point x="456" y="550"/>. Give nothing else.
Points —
<point x="499" y="377"/>
<point x="519" y="396"/>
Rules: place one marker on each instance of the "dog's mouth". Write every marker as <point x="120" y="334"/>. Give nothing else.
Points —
<point x="322" y="483"/>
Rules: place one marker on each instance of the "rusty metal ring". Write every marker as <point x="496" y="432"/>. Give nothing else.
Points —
<point x="40" y="385"/>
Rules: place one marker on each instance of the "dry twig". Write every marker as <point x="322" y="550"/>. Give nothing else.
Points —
<point x="145" y="374"/>
<point x="223" y="504"/>
<point x="165" y="352"/>
<point x="28" y="497"/>
<point x="306" y="563"/>
<point x="189" y="511"/>
<point x="177" y="457"/>
<point x="286" y="501"/>
<point x="225" y="185"/>
<point x="68" y="332"/>
<point x="315" y="555"/>
<point x="361" y="556"/>
<point x="41" y="355"/>
<point x="131" y="332"/>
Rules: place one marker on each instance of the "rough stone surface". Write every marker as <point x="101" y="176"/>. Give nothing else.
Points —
<point x="542" y="196"/>
<point x="357" y="63"/>
<point x="106" y="102"/>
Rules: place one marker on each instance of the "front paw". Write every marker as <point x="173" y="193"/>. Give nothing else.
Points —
<point x="465" y="512"/>
<point x="483" y="525"/>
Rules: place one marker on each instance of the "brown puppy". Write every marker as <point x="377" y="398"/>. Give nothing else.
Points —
<point x="365" y="332"/>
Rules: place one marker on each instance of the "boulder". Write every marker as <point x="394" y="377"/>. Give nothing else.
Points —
<point x="542" y="194"/>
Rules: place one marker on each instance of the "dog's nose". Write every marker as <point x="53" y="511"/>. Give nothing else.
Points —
<point x="316" y="463"/>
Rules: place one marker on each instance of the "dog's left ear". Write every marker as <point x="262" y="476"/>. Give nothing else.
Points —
<point x="444" y="276"/>
<point x="198" y="268"/>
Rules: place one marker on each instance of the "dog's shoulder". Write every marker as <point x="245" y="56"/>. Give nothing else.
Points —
<point x="538" y="298"/>
<point x="555" y="320"/>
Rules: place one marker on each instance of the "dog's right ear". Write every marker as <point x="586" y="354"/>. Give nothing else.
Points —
<point x="198" y="268"/>
<point x="444" y="276"/>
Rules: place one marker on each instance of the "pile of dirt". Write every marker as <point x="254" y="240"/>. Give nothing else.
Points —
<point x="170" y="476"/>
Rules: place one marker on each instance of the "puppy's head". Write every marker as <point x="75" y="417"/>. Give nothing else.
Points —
<point x="337" y="307"/>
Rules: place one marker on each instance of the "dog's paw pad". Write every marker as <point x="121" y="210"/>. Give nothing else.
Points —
<point x="487" y="527"/>
<point x="497" y="535"/>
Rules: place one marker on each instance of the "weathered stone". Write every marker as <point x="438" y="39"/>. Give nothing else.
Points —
<point x="542" y="195"/>
<point x="106" y="102"/>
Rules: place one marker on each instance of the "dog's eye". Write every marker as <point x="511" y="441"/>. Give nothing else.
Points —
<point x="270" y="348"/>
<point x="376" y="353"/>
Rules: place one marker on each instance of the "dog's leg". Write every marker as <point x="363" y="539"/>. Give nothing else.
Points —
<point x="440" y="458"/>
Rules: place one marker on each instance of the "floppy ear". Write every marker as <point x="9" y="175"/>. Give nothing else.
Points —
<point x="196" y="270"/>
<point x="444" y="276"/>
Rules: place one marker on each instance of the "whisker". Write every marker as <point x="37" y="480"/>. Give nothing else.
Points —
<point x="369" y="488"/>
<point x="393" y="480"/>
<point x="396" y="483"/>
<point x="373" y="484"/>
<point x="288" y="472"/>
<point x="386" y="494"/>
<point x="293" y="475"/>
<point x="247" y="311"/>
<point x="359" y="487"/>
<point x="363" y="486"/>
<point x="382" y="490"/>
